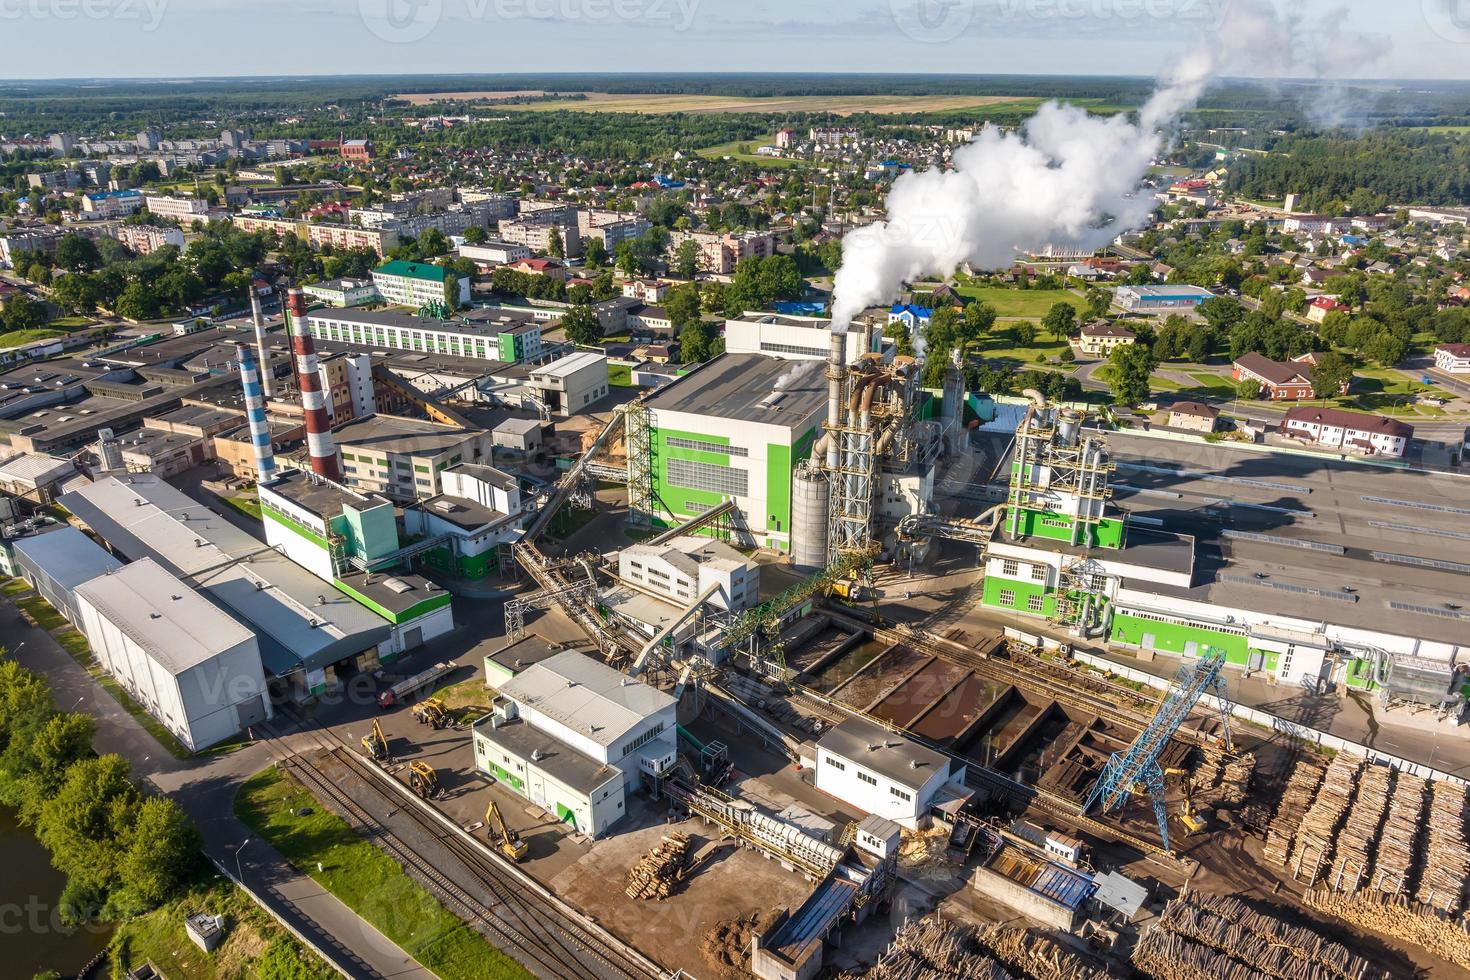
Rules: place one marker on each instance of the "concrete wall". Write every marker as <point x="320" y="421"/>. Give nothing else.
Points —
<point x="1014" y="895"/>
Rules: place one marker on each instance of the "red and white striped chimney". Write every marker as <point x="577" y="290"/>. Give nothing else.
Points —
<point x="319" y="445"/>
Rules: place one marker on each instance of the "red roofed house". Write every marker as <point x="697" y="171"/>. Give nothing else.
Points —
<point x="1454" y="358"/>
<point x="1339" y="429"/>
<point x="1318" y="308"/>
<point x="1279" y="380"/>
<point x="550" y="268"/>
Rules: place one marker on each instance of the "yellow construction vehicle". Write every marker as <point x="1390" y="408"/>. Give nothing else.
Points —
<point x="850" y="590"/>
<point x="423" y="780"/>
<point x="375" y="744"/>
<point x="431" y="712"/>
<point x="508" y="841"/>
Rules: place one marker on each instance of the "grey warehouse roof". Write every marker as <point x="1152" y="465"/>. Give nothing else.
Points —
<point x="562" y="761"/>
<point x="67" y="555"/>
<point x="586" y="695"/>
<point x="735" y="386"/>
<point x="900" y="759"/>
<point x="178" y="627"/>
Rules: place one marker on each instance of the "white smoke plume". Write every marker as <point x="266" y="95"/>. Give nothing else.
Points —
<point x="1066" y="178"/>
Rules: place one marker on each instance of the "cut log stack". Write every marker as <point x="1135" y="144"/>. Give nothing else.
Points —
<point x="1390" y="915"/>
<point x="1446" y="858"/>
<point x="1395" y="856"/>
<point x="659" y="872"/>
<point x="1208" y="937"/>
<point x="1354" y="844"/>
<point x="1300" y="787"/>
<point x="1311" y="856"/>
<point x="1033" y="955"/>
<point x="1207" y="774"/>
<point x="932" y="948"/>
<point x="1237" y="779"/>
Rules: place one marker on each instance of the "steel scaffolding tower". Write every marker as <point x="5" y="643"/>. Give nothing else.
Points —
<point x="639" y="433"/>
<point x="850" y="513"/>
<point x="1058" y="470"/>
<point x="1139" y="765"/>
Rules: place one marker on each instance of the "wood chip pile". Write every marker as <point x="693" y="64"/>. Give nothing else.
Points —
<point x="659" y="872"/>
<point x="1447" y="860"/>
<point x="1396" y="842"/>
<point x="1393" y="915"/>
<point x="1360" y="830"/>
<point x="934" y="948"/>
<point x="727" y="945"/>
<point x="1209" y="937"/>
<point x="1311" y="855"/>
<point x="1300" y="787"/>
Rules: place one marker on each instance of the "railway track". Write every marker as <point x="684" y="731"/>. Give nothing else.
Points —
<point x="519" y="916"/>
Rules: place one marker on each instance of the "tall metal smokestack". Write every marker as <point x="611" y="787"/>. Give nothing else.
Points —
<point x="319" y="445"/>
<point x="260" y="433"/>
<point x="267" y="376"/>
<point x="836" y="358"/>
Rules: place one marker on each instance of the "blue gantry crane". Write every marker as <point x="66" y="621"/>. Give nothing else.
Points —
<point x="1139" y="765"/>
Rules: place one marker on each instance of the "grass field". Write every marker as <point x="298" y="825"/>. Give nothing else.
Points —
<point x="17" y="337"/>
<point x="841" y="105"/>
<point x="249" y="506"/>
<point x="71" y="322"/>
<point x="999" y="347"/>
<point x="745" y="150"/>
<point x="1021" y="302"/>
<point x="467" y="700"/>
<point x="620" y="375"/>
<point x="254" y="945"/>
<point x="367" y="880"/>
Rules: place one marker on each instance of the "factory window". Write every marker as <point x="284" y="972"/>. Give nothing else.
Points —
<point x="707" y="447"/>
<point x="866" y="778"/>
<point x="1007" y="597"/>
<point x="773" y="348"/>
<point x="1038" y="573"/>
<point x="708" y="476"/>
<point x="1035" y="603"/>
<point x="1010" y="567"/>
<point x="906" y="797"/>
<point x="644" y="739"/>
<point x="635" y="564"/>
<point x="836" y="765"/>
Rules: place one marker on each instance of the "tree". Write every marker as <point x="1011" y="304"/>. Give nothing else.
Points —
<point x="1131" y="366"/>
<point x="84" y="826"/>
<point x="626" y="258"/>
<point x="1099" y="301"/>
<point x="582" y="326"/>
<point x="75" y="291"/>
<point x="137" y="302"/>
<point x="1331" y="374"/>
<point x="432" y="242"/>
<point x="555" y="247"/>
<point x="1249" y="389"/>
<point x="23" y="313"/>
<point x="1221" y="313"/>
<point x="474" y="234"/>
<point x="979" y="319"/>
<point x="77" y="253"/>
<point x="694" y="342"/>
<point x="1025" y="332"/>
<point x="1059" y="320"/>
<point x="686" y="259"/>
<point x="1386" y="348"/>
<point x="161" y="854"/>
<point x="594" y="253"/>
<point x="603" y="286"/>
<point x="682" y="304"/>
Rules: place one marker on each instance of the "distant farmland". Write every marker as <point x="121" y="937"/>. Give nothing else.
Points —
<point x="842" y="105"/>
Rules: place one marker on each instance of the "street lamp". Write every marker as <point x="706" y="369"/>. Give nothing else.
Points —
<point x="239" y="876"/>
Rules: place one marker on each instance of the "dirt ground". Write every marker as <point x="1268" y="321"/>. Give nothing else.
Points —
<point x="729" y="883"/>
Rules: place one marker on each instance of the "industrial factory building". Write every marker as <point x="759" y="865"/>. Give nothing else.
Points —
<point x="573" y="735"/>
<point x="56" y="562"/>
<point x="479" y="512"/>
<point x="402" y="458"/>
<point x="688" y="567"/>
<point x="795" y="337"/>
<point x="885" y="774"/>
<point x="195" y="669"/>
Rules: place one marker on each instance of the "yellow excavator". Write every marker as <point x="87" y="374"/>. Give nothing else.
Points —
<point x="1188" y="815"/>
<point x="508" y="841"/>
<point x="375" y="744"/>
<point x="431" y="712"/>
<point x="423" y="780"/>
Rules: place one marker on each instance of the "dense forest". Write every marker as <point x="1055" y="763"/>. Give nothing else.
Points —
<point x="1336" y="174"/>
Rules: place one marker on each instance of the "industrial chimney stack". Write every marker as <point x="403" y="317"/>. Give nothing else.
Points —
<point x="260" y="433"/>
<point x="267" y="376"/>
<point x="319" y="445"/>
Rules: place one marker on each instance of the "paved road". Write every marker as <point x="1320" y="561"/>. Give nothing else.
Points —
<point x="206" y="789"/>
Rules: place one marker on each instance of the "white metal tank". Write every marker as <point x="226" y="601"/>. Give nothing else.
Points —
<point x="810" y="494"/>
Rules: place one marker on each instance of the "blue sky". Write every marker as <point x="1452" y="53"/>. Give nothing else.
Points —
<point x="171" y="38"/>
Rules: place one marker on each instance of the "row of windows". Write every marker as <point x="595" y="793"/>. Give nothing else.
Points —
<point x="643" y="739"/>
<point x="709" y="476"/>
<point x="1173" y="621"/>
<point x="867" y="778"/>
<point x="774" y="348"/>
<point x="707" y="447"/>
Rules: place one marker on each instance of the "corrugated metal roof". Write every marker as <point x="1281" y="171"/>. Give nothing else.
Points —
<point x="587" y="696"/>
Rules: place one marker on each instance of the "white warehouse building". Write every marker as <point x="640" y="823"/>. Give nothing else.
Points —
<point x="883" y="773"/>
<point x="573" y="735"/>
<point x="192" y="667"/>
<point x="686" y="567"/>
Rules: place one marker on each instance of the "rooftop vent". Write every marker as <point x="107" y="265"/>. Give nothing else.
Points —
<point x="397" y="585"/>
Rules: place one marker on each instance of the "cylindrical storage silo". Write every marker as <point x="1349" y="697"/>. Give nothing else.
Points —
<point x="810" y="494"/>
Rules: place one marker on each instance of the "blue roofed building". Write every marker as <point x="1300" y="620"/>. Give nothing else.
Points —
<point x="911" y="315"/>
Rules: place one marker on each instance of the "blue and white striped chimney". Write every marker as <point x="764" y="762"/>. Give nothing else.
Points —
<point x="260" y="432"/>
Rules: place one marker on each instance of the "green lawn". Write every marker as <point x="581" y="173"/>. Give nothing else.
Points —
<point x="17" y="337"/>
<point x="367" y="880"/>
<point x="13" y="587"/>
<point x="999" y="346"/>
<point x="745" y="150"/>
<point x="71" y="323"/>
<point x="249" y="506"/>
<point x="254" y="945"/>
<point x="40" y="610"/>
<point x="620" y="375"/>
<point x="1021" y="302"/>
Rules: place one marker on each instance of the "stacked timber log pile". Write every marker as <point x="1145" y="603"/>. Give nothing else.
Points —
<point x="1300" y="786"/>
<point x="1393" y="915"/>
<point x="1446" y="858"/>
<point x="1236" y="779"/>
<point x="1035" y="956"/>
<point x="1396" y="842"/>
<point x="1354" y="844"/>
<point x="1209" y="937"/>
<point x="933" y="949"/>
<point x="659" y="871"/>
<point x="1212" y="764"/>
<point x="1311" y="855"/>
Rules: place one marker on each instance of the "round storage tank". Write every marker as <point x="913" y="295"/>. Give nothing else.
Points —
<point x="809" y="496"/>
